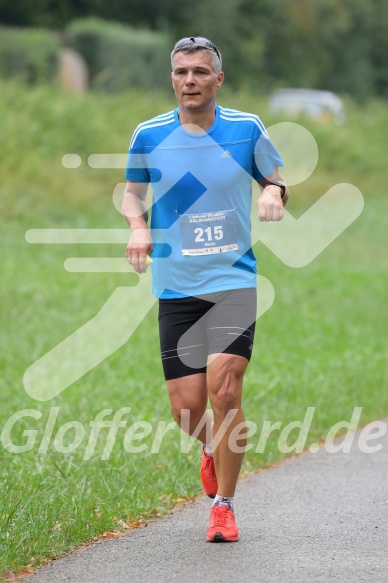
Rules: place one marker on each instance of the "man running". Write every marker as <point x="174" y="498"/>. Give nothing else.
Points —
<point x="201" y="159"/>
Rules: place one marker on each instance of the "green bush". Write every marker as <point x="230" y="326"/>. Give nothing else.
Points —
<point x="120" y="57"/>
<point x="29" y="54"/>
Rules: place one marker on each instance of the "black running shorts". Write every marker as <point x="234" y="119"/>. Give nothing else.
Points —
<point x="192" y="328"/>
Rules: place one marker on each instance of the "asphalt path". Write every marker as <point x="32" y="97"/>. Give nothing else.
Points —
<point x="314" y="517"/>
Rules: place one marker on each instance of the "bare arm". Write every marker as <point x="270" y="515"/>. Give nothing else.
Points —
<point x="270" y="205"/>
<point x="134" y="210"/>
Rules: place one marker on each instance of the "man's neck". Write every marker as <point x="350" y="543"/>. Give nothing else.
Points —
<point x="199" y="121"/>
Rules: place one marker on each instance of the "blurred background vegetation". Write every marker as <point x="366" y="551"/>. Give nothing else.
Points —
<point x="331" y="316"/>
<point x="339" y="45"/>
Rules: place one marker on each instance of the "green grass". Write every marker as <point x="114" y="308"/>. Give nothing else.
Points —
<point x="322" y="344"/>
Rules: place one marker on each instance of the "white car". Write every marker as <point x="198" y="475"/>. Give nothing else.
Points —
<point x="321" y="105"/>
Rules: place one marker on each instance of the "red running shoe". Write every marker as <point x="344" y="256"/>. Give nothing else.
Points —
<point x="208" y="475"/>
<point x="222" y="527"/>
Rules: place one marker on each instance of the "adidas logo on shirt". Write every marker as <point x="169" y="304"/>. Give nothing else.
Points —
<point x="226" y="154"/>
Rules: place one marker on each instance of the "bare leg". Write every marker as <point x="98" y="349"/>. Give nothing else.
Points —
<point x="189" y="393"/>
<point x="225" y="373"/>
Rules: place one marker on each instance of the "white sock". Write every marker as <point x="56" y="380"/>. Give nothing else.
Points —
<point x="207" y="449"/>
<point x="224" y="501"/>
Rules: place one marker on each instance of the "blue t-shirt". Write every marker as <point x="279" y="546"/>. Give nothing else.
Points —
<point x="202" y="196"/>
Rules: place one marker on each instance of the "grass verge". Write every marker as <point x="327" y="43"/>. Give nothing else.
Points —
<point x="322" y="344"/>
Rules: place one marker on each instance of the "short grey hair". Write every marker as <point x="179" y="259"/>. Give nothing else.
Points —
<point x="192" y="47"/>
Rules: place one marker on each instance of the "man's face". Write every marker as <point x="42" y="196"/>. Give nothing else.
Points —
<point x="194" y="80"/>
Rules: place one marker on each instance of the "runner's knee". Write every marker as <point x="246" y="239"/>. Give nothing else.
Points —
<point x="225" y="382"/>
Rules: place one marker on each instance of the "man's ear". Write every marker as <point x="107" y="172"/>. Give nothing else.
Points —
<point x="220" y="79"/>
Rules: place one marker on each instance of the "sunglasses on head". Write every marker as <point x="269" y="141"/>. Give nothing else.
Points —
<point x="199" y="41"/>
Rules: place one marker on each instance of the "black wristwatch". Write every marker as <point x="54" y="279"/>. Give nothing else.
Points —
<point x="280" y="185"/>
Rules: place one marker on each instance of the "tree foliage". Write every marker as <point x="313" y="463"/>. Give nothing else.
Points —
<point x="330" y="44"/>
<point x="120" y="57"/>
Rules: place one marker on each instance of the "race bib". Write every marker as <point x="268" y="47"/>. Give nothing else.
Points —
<point x="208" y="233"/>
